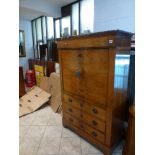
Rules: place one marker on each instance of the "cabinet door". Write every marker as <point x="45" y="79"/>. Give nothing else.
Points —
<point x="72" y="68"/>
<point x="96" y="75"/>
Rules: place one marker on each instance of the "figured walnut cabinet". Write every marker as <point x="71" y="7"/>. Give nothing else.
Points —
<point x="93" y="103"/>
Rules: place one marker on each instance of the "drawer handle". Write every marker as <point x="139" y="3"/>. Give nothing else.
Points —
<point x="70" y="110"/>
<point x="80" y="55"/>
<point x="94" y="122"/>
<point x="94" y="134"/>
<point x="69" y="99"/>
<point x="95" y="111"/>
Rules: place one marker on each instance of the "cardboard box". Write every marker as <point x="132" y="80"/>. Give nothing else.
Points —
<point x="33" y="100"/>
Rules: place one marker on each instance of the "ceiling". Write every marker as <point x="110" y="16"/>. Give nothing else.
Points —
<point x="31" y="9"/>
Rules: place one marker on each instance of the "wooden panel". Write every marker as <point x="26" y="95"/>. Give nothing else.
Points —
<point x="72" y="67"/>
<point x="99" y="41"/>
<point x="96" y="75"/>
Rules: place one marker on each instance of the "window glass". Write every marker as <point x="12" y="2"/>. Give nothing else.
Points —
<point x="65" y="26"/>
<point x="50" y="31"/>
<point x="87" y="16"/>
<point x="44" y="29"/>
<point x="39" y="32"/>
<point x="57" y="28"/>
<point x="121" y="71"/>
<point x="75" y="19"/>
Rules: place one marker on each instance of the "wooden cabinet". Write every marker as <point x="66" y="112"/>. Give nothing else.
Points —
<point x="94" y="80"/>
<point x="129" y="148"/>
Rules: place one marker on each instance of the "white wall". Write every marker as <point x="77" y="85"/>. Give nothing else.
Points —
<point x="114" y="14"/>
<point x="26" y="26"/>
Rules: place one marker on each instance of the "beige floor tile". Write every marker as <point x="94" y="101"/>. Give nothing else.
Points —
<point x="52" y="120"/>
<point x="87" y="148"/>
<point x="27" y="120"/>
<point x="40" y="120"/>
<point x="23" y="130"/>
<point x="46" y="111"/>
<point x="49" y="146"/>
<point x="68" y="133"/>
<point x="53" y="131"/>
<point x="35" y="131"/>
<point x="70" y="146"/>
<point x="29" y="146"/>
<point x="58" y="119"/>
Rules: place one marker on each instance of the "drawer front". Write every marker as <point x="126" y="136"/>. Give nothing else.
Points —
<point x="69" y="100"/>
<point x="71" y="110"/>
<point x="93" y="122"/>
<point x="91" y="131"/>
<point x="85" y="107"/>
<point x="100" y="41"/>
<point x="88" y="119"/>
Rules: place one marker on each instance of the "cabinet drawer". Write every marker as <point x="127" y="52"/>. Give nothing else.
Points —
<point x="92" y="121"/>
<point x="85" y="117"/>
<point x="69" y="100"/>
<point x="95" y="111"/>
<point x="71" y="110"/>
<point x="100" y="41"/>
<point x="81" y="125"/>
<point x="85" y="107"/>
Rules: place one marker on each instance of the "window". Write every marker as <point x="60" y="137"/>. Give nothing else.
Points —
<point x="65" y="29"/>
<point x="121" y="71"/>
<point x="44" y="29"/>
<point x="86" y="16"/>
<point x="38" y="28"/>
<point x="75" y="19"/>
<point x="50" y="29"/>
<point x="57" y="28"/>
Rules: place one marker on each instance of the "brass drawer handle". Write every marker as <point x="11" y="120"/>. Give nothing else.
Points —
<point x="95" y="111"/>
<point x="94" y="122"/>
<point x="94" y="134"/>
<point x="69" y="100"/>
<point x="80" y="55"/>
<point x="70" y="110"/>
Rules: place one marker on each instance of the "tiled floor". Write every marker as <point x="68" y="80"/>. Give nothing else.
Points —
<point x="42" y="133"/>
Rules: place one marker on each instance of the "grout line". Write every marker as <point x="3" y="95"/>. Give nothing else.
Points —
<point x="41" y="140"/>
